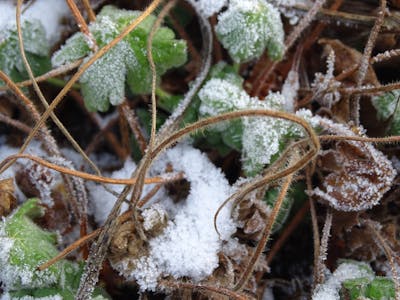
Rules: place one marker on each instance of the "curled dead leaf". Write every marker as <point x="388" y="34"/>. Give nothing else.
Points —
<point x="7" y="198"/>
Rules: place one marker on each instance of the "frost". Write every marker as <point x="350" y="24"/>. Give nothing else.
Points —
<point x="259" y="138"/>
<point x="387" y="106"/>
<point x="104" y="82"/>
<point x="55" y="11"/>
<point x="102" y="201"/>
<point x="325" y="86"/>
<point x="126" y="63"/>
<point x="23" y="247"/>
<point x="330" y="289"/>
<point x="210" y="7"/>
<point x="360" y="176"/>
<point x="189" y="245"/>
<point x="36" y="47"/>
<point x="247" y="28"/>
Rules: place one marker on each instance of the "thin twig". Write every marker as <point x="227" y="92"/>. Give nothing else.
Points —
<point x="265" y="235"/>
<point x="364" y="64"/>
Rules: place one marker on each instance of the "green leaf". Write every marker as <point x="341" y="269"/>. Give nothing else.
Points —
<point x="126" y="64"/>
<point x="388" y="110"/>
<point x="36" y="48"/>
<point x="23" y="247"/>
<point x="247" y="28"/>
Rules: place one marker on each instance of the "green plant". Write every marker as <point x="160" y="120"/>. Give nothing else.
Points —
<point x="24" y="247"/>
<point x="104" y="82"/>
<point x="37" y="50"/>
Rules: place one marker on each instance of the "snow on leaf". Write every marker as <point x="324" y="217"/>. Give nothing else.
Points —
<point x="75" y="48"/>
<point x="247" y="28"/>
<point x="104" y="82"/>
<point x="387" y="106"/>
<point x="357" y="177"/>
<point x="189" y="244"/>
<point x="36" y="47"/>
<point x="261" y="137"/>
<point x="23" y="247"/>
<point x="210" y="7"/>
<point x="345" y="271"/>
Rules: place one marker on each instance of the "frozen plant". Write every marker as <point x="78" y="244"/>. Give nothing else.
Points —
<point x="103" y="83"/>
<point x="345" y="271"/>
<point x="36" y="47"/>
<point x="249" y="27"/>
<point x="259" y="139"/>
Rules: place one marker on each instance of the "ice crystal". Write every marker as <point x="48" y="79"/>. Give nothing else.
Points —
<point x="247" y="28"/>
<point x="325" y="86"/>
<point x="104" y="82"/>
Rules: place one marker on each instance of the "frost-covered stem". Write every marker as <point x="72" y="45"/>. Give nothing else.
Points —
<point x="84" y="67"/>
<point x="156" y="25"/>
<point x="315" y="229"/>
<point x="55" y="72"/>
<point x="364" y="64"/>
<point x="17" y="124"/>
<point x="173" y="121"/>
<point x="129" y="115"/>
<point x="323" y="250"/>
<point x="83" y="27"/>
<point x="265" y="235"/>
<point x="89" y="10"/>
<point x="375" y="227"/>
<point x="371" y="90"/>
<point x="389" y="54"/>
<point x="382" y="140"/>
<point x="75" y="186"/>
<point x="99" y="249"/>
<point x="290" y="40"/>
<point x="91" y="177"/>
<point x="205" y="288"/>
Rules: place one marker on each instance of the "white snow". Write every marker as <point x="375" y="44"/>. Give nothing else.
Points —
<point x="330" y="289"/>
<point x="102" y="201"/>
<point x="209" y="7"/>
<point x="189" y="244"/>
<point x="48" y="12"/>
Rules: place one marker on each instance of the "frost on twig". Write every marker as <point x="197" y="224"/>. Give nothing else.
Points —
<point x="325" y="86"/>
<point x="359" y="174"/>
<point x="247" y="28"/>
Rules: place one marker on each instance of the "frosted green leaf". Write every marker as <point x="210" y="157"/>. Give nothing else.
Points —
<point x="36" y="48"/>
<point x="74" y="49"/>
<point x="373" y="288"/>
<point x="24" y="246"/>
<point x="104" y="83"/>
<point x="260" y="139"/>
<point x="247" y="28"/>
<point x="387" y="106"/>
